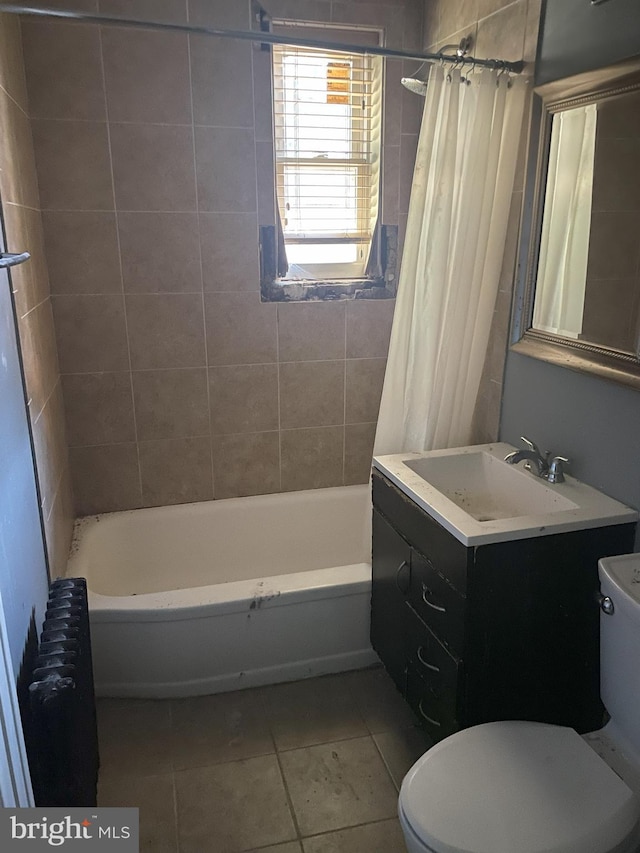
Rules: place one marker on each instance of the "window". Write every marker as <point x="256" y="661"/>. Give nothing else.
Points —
<point x="327" y="116"/>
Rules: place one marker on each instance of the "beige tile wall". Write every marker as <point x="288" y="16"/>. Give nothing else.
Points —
<point x="23" y="226"/>
<point x="505" y="30"/>
<point x="179" y="383"/>
<point x="612" y="295"/>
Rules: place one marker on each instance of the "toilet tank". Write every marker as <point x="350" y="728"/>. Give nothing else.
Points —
<point x="620" y="646"/>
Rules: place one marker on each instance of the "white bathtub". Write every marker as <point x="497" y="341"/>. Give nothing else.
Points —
<point x="208" y="597"/>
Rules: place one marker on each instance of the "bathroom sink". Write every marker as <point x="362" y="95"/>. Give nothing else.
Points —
<point x="486" y="487"/>
<point x="479" y="498"/>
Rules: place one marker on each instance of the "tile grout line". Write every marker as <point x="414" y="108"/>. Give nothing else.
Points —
<point x="285" y="785"/>
<point x="56" y="120"/>
<point x="179" y="211"/>
<point x="345" y="828"/>
<point x="204" y="366"/>
<point x="223" y="434"/>
<point x="275" y="751"/>
<point x="314" y="744"/>
<point x="264" y="702"/>
<point x="176" y="818"/>
<point x="278" y="394"/>
<point x="176" y="811"/>
<point x="384" y="761"/>
<point x="372" y="735"/>
<point x="204" y="314"/>
<point x="344" y="401"/>
<point x="174" y="781"/>
<point x="118" y="242"/>
<point x="277" y="311"/>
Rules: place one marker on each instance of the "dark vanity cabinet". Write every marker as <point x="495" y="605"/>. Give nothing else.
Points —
<point x="507" y="630"/>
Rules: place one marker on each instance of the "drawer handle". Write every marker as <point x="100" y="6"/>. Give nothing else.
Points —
<point x="426" y="716"/>
<point x="425" y="663"/>
<point x="403" y="589"/>
<point x="427" y="594"/>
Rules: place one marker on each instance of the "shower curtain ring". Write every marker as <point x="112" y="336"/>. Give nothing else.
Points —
<point x="467" y="69"/>
<point x="451" y="72"/>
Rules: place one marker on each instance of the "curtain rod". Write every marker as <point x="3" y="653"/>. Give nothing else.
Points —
<point x="261" y="37"/>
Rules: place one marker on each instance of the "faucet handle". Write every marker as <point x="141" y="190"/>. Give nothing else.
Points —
<point x="556" y="469"/>
<point x="542" y="463"/>
<point x="530" y="444"/>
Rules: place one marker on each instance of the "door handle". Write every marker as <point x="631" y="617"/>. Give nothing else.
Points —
<point x="12" y="259"/>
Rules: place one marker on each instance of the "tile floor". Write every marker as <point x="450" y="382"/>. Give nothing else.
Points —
<point x="311" y="766"/>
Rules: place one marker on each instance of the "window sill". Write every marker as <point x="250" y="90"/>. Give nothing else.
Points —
<point x="274" y="289"/>
<point x="306" y="290"/>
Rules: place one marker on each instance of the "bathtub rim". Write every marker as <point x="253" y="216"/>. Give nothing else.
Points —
<point x="79" y="563"/>
<point x="245" y="596"/>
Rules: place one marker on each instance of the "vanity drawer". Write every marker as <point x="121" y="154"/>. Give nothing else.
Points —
<point x="436" y="602"/>
<point x="428" y="656"/>
<point x="436" y="710"/>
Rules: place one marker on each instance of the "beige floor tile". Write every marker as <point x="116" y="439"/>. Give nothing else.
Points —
<point x="380" y="703"/>
<point x="382" y="837"/>
<point x="400" y="749"/>
<point x="134" y="736"/>
<point x="233" y="807"/>
<point x="154" y="796"/>
<point x="229" y="788"/>
<point x="318" y="710"/>
<point x="337" y="785"/>
<point x="220" y="728"/>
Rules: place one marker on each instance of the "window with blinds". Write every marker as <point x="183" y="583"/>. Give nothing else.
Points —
<point x="327" y="115"/>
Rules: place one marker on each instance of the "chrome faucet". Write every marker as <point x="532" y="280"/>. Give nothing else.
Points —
<point x="538" y="463"/>
<point x="533" y="457"/>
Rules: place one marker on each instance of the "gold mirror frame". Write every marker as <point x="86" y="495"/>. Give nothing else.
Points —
<point x="587" y="88"/>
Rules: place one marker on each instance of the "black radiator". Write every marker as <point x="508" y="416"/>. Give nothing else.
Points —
<point x="61" y="732"/>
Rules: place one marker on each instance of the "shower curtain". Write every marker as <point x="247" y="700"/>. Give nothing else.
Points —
<point x="566" y="225"/>
<point x="454" y="244"/>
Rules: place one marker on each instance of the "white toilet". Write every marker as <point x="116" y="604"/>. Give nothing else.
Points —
<point x="521" y="787"/>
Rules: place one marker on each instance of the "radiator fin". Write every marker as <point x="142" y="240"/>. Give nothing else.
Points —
<point x="62" y="743"/>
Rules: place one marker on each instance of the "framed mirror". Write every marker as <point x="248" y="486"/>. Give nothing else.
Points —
<point x="578" y="296"/>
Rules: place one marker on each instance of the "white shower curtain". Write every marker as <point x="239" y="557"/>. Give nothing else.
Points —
<point x="566" y="225"/>
<point x="456" y="230"/>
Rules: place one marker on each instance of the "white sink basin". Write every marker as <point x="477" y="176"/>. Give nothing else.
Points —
<point x="479" y="498"/>
<point x="487" y="488"/>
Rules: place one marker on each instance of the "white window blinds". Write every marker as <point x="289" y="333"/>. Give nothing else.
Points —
<point x="327" y="110"/>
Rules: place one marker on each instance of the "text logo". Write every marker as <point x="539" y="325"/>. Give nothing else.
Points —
<point x="70" y="829"/>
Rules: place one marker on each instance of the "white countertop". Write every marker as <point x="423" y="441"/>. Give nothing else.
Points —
<point x="521" y="505"/>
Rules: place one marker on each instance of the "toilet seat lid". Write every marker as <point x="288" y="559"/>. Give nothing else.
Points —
<point x="517" y="786"/>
